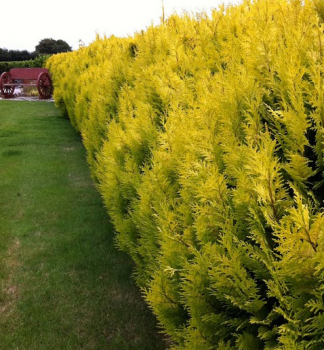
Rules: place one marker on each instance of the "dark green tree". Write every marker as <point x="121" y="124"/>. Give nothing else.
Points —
<point x="15" y="55"/>
<point x="52" y="46"/>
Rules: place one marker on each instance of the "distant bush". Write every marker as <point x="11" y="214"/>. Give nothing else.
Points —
<point x="37" y="62"/>
<point x="205" y="137"/>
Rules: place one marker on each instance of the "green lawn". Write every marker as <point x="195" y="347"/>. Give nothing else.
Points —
<point x="63" y="284"/>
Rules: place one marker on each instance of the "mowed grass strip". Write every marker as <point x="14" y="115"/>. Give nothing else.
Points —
<point x="64" y="285"/>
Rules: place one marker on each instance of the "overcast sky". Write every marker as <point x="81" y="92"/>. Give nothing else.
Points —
<point x="25" y="22"/>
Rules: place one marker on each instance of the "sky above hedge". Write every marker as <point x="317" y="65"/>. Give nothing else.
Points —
<point x="27" y="22"/>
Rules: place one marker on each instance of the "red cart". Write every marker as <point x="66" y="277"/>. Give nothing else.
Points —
<point x="39" y="77"/>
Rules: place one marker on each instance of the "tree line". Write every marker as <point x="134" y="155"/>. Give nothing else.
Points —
<point x="46" y="46"/>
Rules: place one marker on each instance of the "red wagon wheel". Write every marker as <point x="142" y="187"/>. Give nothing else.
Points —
<point x="44" y="85"/>
<point x="6" y="90"/>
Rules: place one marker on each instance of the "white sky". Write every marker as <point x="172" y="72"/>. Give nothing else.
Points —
<point x="25" y="22"/>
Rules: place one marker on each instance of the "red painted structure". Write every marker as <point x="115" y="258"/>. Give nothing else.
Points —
<point x="39" y="77"/>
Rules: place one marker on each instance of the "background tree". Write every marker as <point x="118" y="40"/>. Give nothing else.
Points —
<point x="52" y="46"/>
<point x="15" y="55"/>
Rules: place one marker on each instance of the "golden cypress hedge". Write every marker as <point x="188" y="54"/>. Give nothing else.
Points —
<point x="205" y="137"/>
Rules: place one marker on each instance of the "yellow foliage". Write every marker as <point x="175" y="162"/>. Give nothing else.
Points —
<point x="205" y="138"/>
